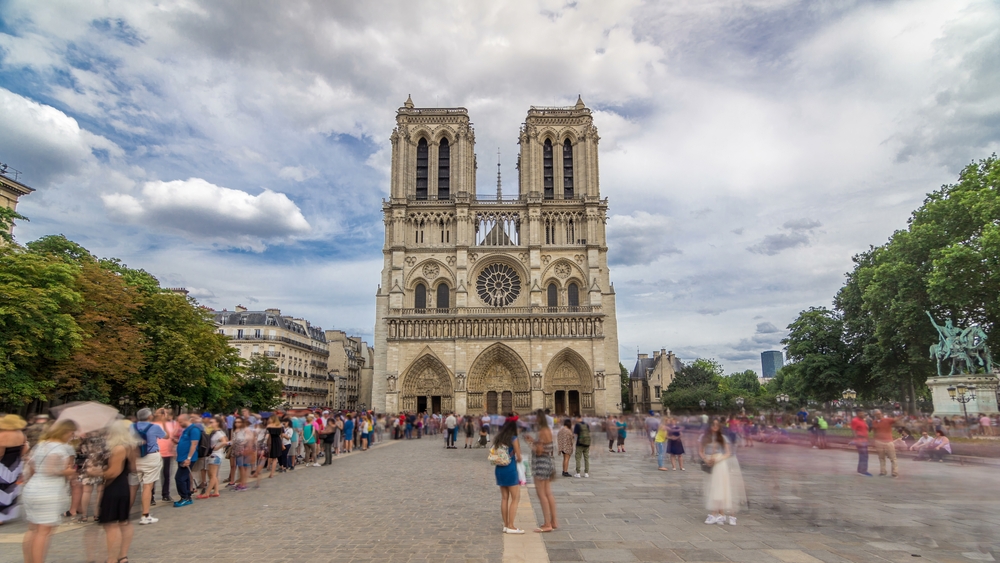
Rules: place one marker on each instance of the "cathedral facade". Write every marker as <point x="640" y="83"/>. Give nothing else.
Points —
<point x="489" y="304"/>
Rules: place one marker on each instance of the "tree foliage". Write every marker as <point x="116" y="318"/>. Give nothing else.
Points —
<point x="7" y="218"/>
<point x="259" y="388"/>
<point x="76" y="327"/>
<point x="625" y="383"/>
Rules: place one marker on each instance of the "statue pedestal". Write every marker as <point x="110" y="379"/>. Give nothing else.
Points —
<point x="984" y="403"/>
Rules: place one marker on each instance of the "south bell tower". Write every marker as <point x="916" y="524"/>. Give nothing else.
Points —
<point x="492" y="303"/>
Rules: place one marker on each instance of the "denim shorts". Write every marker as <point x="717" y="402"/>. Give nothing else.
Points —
<point x="215" y="459"/>
<point x="244" y="461"/>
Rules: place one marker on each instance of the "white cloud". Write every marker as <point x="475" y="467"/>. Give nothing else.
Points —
<point x="298" y="173"/>
<point x="640" y="238"/>
<point x="204" y="211"/>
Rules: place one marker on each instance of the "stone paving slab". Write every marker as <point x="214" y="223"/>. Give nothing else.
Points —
<point x="805" y="506"/>
<point x="405" y="501"/>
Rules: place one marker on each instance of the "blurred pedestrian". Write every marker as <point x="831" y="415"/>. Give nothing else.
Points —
<point x="117" y="499"/>
<point x="148" y="463"/>
<point x="675" y="445"/>
<point x="187" y="454"/>
<point x="45" y="495"/>
<point x="860" y="429"/>
<point x="882" y="427"/>
<point x="581" y="430"/>
<point x="543" y="471"/>
<point x="13" y="454"/>
<point x="724" y="490"/>
<point x="564" y="440"/>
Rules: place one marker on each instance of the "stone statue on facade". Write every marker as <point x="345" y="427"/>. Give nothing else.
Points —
<point x="460" y="381"/>
<point x="391" y="383"/>
<point x="966" y="349"/>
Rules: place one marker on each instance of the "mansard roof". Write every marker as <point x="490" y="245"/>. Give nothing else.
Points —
<point x="268" y="319"/>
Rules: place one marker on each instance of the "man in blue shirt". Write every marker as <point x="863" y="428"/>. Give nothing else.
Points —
<point x="187" y="454"/>
<point x="148" y="466"/>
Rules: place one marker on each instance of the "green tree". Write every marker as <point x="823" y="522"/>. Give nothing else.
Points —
<point x="745" y="382"/>
<point x="7" y="218"/>
<point x="37" y="328"/>
<point x="699" y="380"/>
<point x="626" y="387"/>
<point x="820" y="361"/>
<point x="258" y="387"/>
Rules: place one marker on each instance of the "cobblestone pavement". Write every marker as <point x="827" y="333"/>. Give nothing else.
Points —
<point x="806" y="506"/>
<point x="399" y="502"/>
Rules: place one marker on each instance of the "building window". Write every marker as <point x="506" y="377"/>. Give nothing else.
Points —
<point x="553" y="295"/>
<point x="442" y="296"/>
<point x="567" y="170"/>
<point x="422" y="169"/>
<point x="420" y="296"/>
<point x="239" y="333"/>
<point x="444" y="165"/>
<point x="657" y="389"/>
<point x="547" y="179"/>
<point x="573" y="295"/>
<point x="256" y="333"/>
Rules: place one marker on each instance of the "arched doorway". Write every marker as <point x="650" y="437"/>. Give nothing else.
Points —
<point x="569" y="386"/>
<point x="427" y="387"/>
<point x="498" y="382"/>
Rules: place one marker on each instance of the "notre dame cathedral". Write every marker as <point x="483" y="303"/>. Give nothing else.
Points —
<point x="495" y="303"/>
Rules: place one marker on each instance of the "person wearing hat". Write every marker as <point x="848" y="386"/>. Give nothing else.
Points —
<point x="34" y="432"/>
<point x="13" y="449"/>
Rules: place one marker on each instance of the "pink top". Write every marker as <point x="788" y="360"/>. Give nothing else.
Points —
<point x="167" y="446"/>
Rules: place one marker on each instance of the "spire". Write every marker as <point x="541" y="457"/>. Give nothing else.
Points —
<point x="409" y="102"/>
<point x="499" y="189"/>
<point x="579" y="102"/>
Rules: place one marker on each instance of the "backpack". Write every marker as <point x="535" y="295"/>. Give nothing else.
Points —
<point x="584" y="436"/>
<point x="499" y="456"/>
<point x="204" y="445"/>
<point x="144" y="447"/>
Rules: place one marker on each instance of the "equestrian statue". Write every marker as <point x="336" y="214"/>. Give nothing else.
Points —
<point x="966" y="349"/>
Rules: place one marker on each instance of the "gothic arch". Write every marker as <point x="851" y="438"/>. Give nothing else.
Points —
<point x="421" y="131"/>
<point x="445" y="133"/>
<point x="568" y="370"/>
<point x="575" y="273"/>
<point x="417" y="273"/>
<point x="499" y="371"/>
<point x="427" y="377"/>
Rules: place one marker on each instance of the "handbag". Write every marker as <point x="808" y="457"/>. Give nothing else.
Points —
<point x="499" y="457"/>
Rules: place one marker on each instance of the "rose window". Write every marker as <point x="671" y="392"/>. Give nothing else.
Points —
<point x="498" y="285"/>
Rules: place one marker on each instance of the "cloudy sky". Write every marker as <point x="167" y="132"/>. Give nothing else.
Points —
<point x="749" y="149"/>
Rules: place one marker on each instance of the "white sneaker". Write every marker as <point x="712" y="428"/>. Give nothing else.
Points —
<point x="586" y="474"/>
<point x="712" y="519"/>
<point x="148" y="520"/>
<point x="721" y="520"/>
<point x="732" y="520"/>
<point x="577" y="476"/>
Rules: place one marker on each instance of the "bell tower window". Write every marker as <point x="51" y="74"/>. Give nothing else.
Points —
<point x="444" y="164"/>
<point x="422" y="169"/>
<point x="420" y="296"/>
<point x="442" y="296"/>
<point x="552" y="295"/>
<point x="567" y="170"/>
<point x="547" y="179"/>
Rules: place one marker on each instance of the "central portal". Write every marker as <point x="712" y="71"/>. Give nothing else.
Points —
<point x="498" y="382"/>
<point x="427" y="387"/>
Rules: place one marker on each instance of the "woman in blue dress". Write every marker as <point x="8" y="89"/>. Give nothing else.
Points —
<point x="507" y="479"/>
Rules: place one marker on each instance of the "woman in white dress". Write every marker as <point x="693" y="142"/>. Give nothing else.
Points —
<point x="724" y="491"/>
<point x="46" y="495"/>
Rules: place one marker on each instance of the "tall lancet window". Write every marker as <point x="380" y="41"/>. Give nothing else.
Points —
<point x="444" y="170"/>
<point x="443" y="293"/>
<point x="552" y="295"/>
<point x="573" y="296"/>
<point x="567" y="170"/>
<point x="422" y="169"/>
<point x="420" y="296"/>
<point x="547" y="180"/>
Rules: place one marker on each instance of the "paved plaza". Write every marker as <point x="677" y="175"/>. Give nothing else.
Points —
<point x="415" y="501"/>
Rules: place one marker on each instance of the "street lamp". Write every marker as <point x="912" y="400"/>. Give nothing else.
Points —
<point x="739" y="404"/>
<point x="963" y="394"/>
<point x="702" y="403"/>
<point x="717" y="404"/>
<point x="848" y="395"/>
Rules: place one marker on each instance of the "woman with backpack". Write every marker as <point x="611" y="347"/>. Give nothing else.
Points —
<point x="507" y="448"/>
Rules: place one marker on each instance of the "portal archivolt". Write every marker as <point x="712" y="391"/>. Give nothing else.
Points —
<point x="498" y="381"/>
<point x="427" y="386"/>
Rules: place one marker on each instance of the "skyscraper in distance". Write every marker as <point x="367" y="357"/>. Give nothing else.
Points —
<point x="770" y="362"/>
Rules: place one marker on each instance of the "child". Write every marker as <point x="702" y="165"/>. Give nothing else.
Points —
<point x="483" y="437"/>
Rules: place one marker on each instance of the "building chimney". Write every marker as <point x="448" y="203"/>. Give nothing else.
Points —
<point x="643" y="356"/>
<point x="273" y="311"/>
<point x="656" y="353"/>
<point x="240" y="309"/>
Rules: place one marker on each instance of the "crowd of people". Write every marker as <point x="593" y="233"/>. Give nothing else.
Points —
<point x="52" y="472"/>
<point x="62" y="474"/>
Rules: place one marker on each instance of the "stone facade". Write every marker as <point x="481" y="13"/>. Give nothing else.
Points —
<point x="650" y="378"/>
<point x="10" y="191"/>
<point x="298" y="349"/>
<point x="491" y="304"/>
<point x="348" y="360"/>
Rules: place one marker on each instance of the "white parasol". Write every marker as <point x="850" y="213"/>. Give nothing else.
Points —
<point x="89" y="416"/>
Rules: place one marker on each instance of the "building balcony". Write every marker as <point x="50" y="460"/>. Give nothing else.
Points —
<point x="269" y="338"/>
